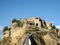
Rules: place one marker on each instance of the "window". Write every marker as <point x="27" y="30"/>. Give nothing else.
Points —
<point x="36" y="24"/>
<point x="4" y="33"/>
<point x="31" y="23"/>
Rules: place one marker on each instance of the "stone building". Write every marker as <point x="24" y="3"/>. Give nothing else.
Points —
<point x="37" y="21"/>
<point x="40" y="23"/>
<point x="18" y="33"/>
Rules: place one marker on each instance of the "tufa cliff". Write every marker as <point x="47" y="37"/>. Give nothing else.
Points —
<point x="32" y="31"/>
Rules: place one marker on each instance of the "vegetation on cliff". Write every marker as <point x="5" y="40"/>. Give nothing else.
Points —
<point x="26" y="30"/>
<point x="19" y="23"/>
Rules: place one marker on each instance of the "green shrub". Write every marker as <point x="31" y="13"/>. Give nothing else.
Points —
<point x="19" y="23"/>
<point x="26" y="31"/>
<point x="35" y="29"/>
<point x="44" y="32"/>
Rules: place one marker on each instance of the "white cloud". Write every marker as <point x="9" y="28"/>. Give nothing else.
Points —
<point x="58" y="26"/>
<point x="1" y="28"/>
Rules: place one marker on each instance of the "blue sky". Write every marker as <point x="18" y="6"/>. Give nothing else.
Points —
<point x="48" y="10"/>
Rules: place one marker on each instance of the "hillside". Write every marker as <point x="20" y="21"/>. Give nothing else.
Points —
<point x="32" y="31"/>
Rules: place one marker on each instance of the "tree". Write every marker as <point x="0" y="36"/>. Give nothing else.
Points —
<point x="5" y="28"/>
<point x="14" y="20"/>
<point x="53" y="27"/>
<point x="19" y="23"/>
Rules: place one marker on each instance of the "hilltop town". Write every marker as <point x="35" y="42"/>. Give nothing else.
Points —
<point x="32" y="31"/>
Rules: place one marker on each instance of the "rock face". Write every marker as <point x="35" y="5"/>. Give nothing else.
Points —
<point x="34" y="31"/>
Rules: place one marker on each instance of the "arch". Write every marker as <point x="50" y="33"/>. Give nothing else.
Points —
<point x="29" y="41"/>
